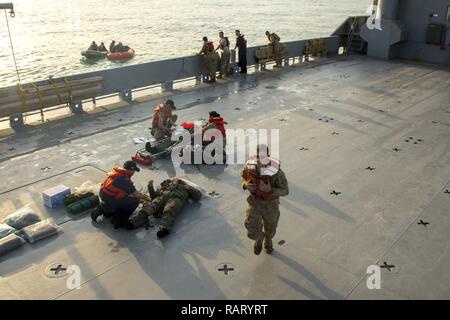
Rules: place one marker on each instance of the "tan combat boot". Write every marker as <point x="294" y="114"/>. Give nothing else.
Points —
<point x="257" y="247"/>
<point x="268" y="245"/>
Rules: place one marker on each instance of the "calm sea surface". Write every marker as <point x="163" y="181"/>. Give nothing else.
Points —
<point x="49" y="35"/>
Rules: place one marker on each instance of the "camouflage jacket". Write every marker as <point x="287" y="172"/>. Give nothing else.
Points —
<point x="175" y="187"/>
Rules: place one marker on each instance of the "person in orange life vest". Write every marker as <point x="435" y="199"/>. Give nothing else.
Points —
<point x="215" y="121"/>
<point x="207" y="52"/>
<point x="163" y="120"/>
<point x="266" y="182"/>
<point x="118" y="195"/>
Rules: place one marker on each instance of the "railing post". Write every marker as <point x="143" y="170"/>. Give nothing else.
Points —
<point x="126" y="95"/>
<point x="167" y="86"/>
<point x="16" y="121"/>
<point x="76" y="107"/>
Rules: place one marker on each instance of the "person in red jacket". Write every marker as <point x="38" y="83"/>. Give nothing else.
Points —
<point x="215" y="121"/>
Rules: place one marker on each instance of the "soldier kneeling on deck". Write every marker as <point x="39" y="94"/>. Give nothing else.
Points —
<point x="118" y="196"/>
<point x="266" y="182"/>
<point x="167" y="202"/>
<point x="163" y="120"/>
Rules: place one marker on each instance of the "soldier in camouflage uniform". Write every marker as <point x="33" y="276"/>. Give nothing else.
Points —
<point x="274" y="42"/>
<point x="224" y="46"/>
<point x="167" y="202"/>
<point x="208" y="55"/>
<point x="263" y="213"/>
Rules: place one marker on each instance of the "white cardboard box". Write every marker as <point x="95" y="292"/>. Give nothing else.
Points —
<point x="54" y="197"/>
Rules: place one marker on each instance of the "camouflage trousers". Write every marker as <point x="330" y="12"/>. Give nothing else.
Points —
<point x="167" y="208"/>
<point x="225" y="63"/>
<point x="158" y="133"/>
<point x="261" y="218"/>
<point x="209" y="62"/>
<point x="277" y="54"/>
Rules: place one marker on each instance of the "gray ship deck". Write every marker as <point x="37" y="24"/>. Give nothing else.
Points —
<point x="329" y="240"/>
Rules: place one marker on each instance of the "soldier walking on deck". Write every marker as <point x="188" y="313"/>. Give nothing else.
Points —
<point x="266" y="182"/>
<point x="274" y="42"/>
<point x="207" y="52"/>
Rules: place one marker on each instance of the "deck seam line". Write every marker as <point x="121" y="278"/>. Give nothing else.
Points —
<point x="95" y="277"/>
<point x="399" y="237"/>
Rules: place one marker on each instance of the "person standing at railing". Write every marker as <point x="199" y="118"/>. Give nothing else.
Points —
<point x="241" y="45"/>
<point x="207" y="52"/>
<point x="274" y="42"/>
<point x="224" y="46"/>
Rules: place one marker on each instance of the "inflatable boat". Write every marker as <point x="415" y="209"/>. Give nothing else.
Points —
<point x="92" y="54"/>
<point x="121" y="55"/>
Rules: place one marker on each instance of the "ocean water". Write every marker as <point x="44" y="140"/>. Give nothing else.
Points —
<point x="49" y="35"/>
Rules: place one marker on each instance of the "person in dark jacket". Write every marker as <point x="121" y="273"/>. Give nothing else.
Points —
<point x="241" y="44"/>
<point x="102" y="48"/>
<point x="112" y="46"/>
<point x="93" y="46"/>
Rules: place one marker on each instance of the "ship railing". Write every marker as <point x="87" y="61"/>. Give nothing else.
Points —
<point x="125" y="82"/>
<point x="348" y="29"/>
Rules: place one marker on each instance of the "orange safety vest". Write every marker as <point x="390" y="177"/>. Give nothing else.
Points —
<point x="220" y="125"/>
<point x="159" y="108"/>
<point x="256" y="174"/>
<point x="107" y="186"/>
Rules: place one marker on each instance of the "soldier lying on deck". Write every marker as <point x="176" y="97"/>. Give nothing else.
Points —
<point x="167" y="202"/>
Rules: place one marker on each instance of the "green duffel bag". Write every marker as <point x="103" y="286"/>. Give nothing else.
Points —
<point x="74" y="197"/>
<point x="83" y="204"/>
